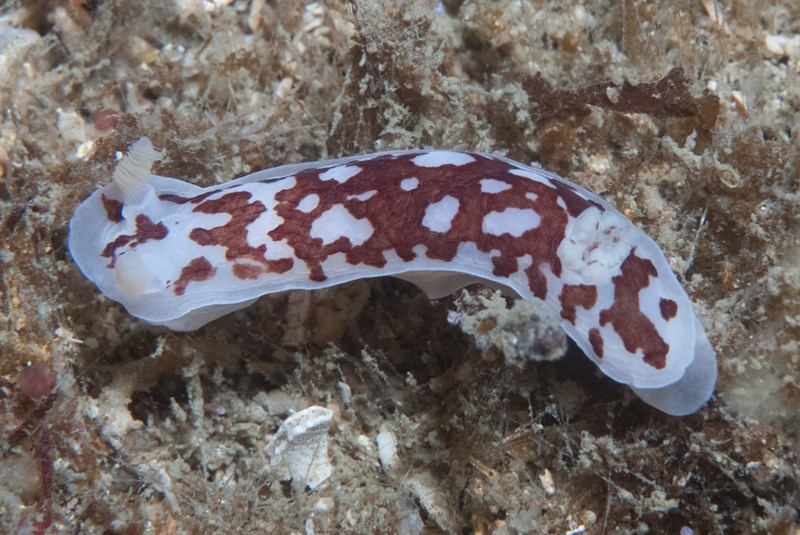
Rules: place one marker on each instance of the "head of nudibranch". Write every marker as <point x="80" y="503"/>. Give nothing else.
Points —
<point x="178" y="255"/>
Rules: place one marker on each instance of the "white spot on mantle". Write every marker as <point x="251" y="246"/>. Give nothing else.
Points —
<point x="367" y="195"/>
<point x="387" y="449"/>
<point x="308" y="203"/>
<point x="409" y="184"/>
<point x="514" y="221"/>
<point x="337" y="222"/>
<point x="442" y="157"/>
<point x="491" y="185"/>
<point x="340" y="173"/>
<point x="439" y="215"/>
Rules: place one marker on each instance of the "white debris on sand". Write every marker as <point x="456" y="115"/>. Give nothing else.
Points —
<point x="299" y="450"/>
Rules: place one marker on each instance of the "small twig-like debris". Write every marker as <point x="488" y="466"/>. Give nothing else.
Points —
<point x="693" y="250"/>
<point x="37" y="382"/>
<point x="669" y="96"/>
<point x="44" y="450"/>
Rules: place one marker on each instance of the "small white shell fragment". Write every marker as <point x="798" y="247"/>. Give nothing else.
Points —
<point x="387" y="449"/>
<point x="409" y="521"/>
<point x="364" y="442"/>
<point x="13" y="44"/>
<point x="299" y="450"/>
<point x="257" y="413"/>
<point x="277" y="402"/>
<point x="347" y="393"/>
<point x="71" y="127"/>
<point x="546" y="479"/>
<point x="434" y="501"/>
<point x="84" y="150"/>
<point x="783" y="45"/>
<point x="323" y="505"/>
<point x="588" y="517"/>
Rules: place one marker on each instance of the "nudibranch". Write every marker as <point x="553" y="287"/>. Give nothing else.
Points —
<point x="179" y="255"/>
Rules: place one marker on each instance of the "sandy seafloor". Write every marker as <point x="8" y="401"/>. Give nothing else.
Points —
<point x="151" y="431"/>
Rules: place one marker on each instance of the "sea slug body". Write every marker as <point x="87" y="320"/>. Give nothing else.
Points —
<point x="179" y="255"/>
